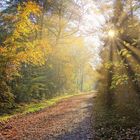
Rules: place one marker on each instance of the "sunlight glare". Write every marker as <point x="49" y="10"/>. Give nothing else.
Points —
<point x="111" y="33"/>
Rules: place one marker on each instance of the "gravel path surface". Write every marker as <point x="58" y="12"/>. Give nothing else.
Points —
<point x="69" y="119"/>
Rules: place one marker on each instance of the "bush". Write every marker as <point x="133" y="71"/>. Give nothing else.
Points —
<point x="37" y="91"/>
<point x="6" y="98"/>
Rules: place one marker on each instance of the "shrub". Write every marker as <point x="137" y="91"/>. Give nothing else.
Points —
<point x="6" y="98"/>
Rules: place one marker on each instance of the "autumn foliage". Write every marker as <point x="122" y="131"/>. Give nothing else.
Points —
<point x="40" y="55"/>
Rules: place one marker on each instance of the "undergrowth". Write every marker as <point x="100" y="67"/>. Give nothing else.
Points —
<point x="117" y="122"/>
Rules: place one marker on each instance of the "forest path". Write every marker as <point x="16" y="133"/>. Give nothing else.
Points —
<point x="69" y="119"/>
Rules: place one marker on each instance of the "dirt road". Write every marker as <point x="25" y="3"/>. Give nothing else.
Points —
<point x="69" y="119"/>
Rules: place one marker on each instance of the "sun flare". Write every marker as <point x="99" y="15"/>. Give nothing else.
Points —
<point x="112" y="33"/>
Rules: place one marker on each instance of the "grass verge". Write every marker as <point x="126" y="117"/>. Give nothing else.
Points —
<point x="23" y="109"/>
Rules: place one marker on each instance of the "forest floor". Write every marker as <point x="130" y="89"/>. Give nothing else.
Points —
<point x="69" y="119"/>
